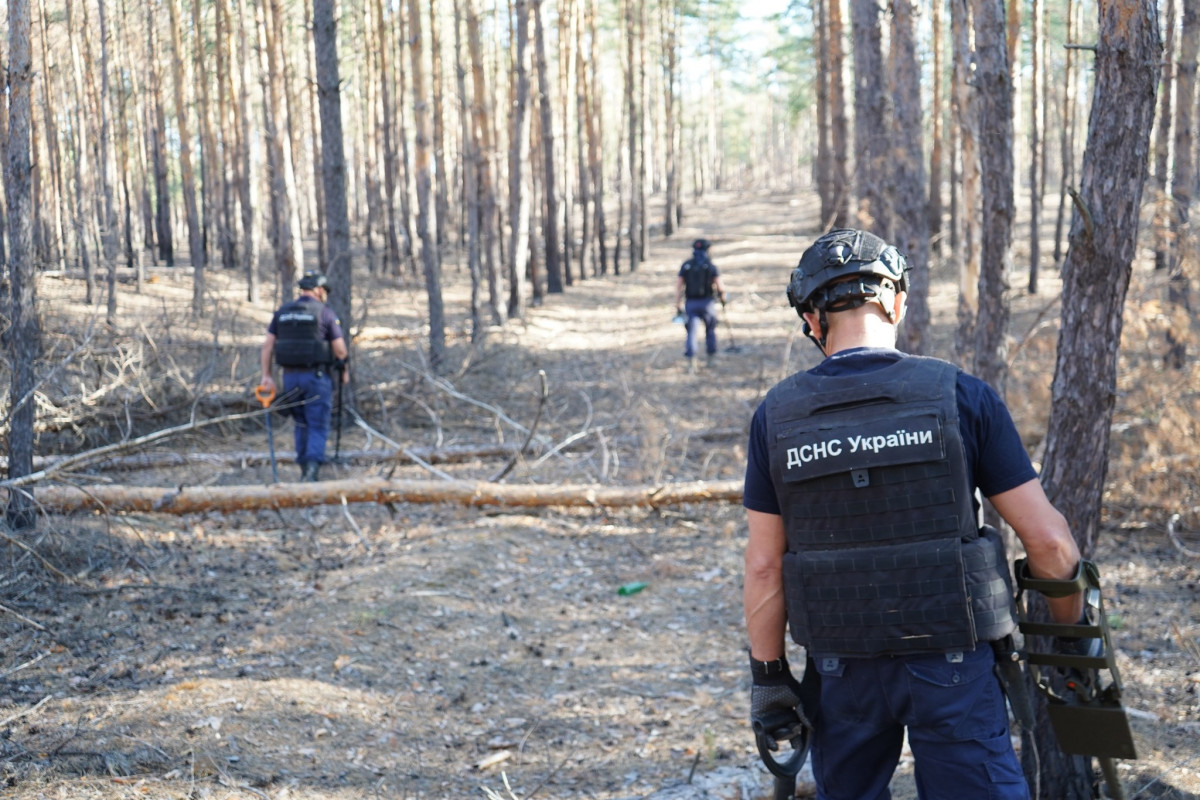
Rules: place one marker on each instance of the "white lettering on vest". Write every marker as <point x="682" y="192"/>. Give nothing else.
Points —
<point x="799" y="456"/>
<point x="900" y="438"/>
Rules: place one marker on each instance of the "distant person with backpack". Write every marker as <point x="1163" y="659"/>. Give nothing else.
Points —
<point x="306" y="339"/>
<point x="700" y="284"/>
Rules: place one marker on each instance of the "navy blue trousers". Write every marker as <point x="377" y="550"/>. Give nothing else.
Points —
<point x="956" y="717"/>
<point x="312" y="391"/>
<point x="701" y="310"/>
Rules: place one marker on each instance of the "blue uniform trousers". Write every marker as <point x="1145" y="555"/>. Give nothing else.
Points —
<point x="312" y="393"/>
<point x="957" y="724"/>
<point x="699" y="310"/>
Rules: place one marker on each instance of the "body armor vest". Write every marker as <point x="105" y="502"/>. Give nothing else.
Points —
<point x="697" y="278"/>
<point x="885" y="554"/>
<point x="298" y="339"/>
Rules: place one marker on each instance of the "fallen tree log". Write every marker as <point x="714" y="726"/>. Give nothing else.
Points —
<point x="454" y="454"/>
<point x="191" y="500"/>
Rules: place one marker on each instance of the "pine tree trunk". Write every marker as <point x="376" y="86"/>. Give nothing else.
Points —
<point x="937" y="156"/>
<point x="470" y="176"/>
<point x="587" y="250"/>
<point x="1035" y="143"/>
<point x="595" y="146"/>
<point x="554" y="279"/>
<point x="1096" y="276"/>
<point x="481" y="113"/>
<point x="333" y="159"/>
<point x="391" y="263"/>
<point x="162" y="192"/>
<point x="429" y="250"/>
<point x="441" y="192"/>
<point x="313" y="96"/>
<point x="993" y="85"/>
<point x="247" y="185"/>
<point x="186" y="172"/>
<point x="670" y="24"/>
<point x="908" y="170"/>
<point x="1162" y="144"/>
<point x="518" y="160"/>
<point x="966" y="210"/>
<point x="24" y="335"/>
<point x="870" y="120"/>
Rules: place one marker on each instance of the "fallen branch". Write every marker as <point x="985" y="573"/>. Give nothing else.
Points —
<point x="453" y="454"/>
<point x="119" y="447"/>
<point x="1171" y="523"/>
<point x="190" y="500"/>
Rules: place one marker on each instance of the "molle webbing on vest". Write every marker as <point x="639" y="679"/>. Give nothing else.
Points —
<point x="869" y="601"/>
<point x="298" y="340"/>
<point x="885" y="554"/>
<point x="697" y="278"/>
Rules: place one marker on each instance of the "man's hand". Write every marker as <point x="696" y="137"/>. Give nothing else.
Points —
<point x="774" y="690"/>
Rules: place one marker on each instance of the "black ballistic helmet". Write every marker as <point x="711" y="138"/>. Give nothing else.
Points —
<point x="313" y="280"/>
<point x="701" y="244"/>
<point x="822" y="281"/>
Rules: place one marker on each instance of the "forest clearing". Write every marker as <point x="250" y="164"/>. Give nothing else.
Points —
<point x="437" y="650"/>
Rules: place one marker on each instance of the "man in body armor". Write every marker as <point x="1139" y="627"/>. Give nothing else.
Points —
<point x="699" y="284"/>
<point x="306" y="339"/>
<point x="864" y="542"/>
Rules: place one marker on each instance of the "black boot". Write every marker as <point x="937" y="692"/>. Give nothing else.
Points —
<point x="310" y="470"/>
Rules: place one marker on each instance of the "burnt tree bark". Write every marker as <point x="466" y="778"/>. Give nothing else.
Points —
<point x="1095" y="280"/>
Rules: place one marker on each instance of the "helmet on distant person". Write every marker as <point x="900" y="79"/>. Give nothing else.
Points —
<point x="701" y="244"/>
<point x="824" y="278"/>
<point x="313" y="280"/>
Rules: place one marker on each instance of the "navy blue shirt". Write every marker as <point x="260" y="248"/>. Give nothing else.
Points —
<point x="996" y="458"/>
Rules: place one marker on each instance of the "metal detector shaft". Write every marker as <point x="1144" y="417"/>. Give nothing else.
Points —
<point x="337" y="446"/>
<point x="265" y="396"/>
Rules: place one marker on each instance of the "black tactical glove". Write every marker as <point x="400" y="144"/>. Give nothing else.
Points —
<point x="774" y="690"/>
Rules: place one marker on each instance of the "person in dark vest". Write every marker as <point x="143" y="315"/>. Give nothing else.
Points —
<point x="699" y="284"/>
<point x="306" y="339"/>
<point x="864" y="543"/>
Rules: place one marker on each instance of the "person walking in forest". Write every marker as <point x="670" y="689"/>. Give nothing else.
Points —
<point x="860" y="490"/>
<point x="699" y="283"/>
<point x="306" y="339"/>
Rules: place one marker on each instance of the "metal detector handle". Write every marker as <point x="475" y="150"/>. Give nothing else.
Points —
<point x="782" y="724"/>
<point x="264" y="395"/>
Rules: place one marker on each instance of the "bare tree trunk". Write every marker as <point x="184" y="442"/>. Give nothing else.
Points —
<point x="994" y="87"/>
<point x="82" y="134"/>
<point x="671" y="137"/>
<point x="481" y="112"/>
<point x="567" y="43"/>
<point x="108" y="221"/>
<point x="441" y="194"/>
<point x="313" y="95"/>
<point x="595" y="132"/>
<point x="1162" y="144"/>
<point x="937" y="111"/>
<point x="870" y="120"/>
<point x="518" y="159"/>
<point x="24" y="335"/>
<point x="186" y="173"/>
<point x="162" y="192"/>
<point x="470" y="175"/>
<point x="1182" y="186"/>
<point x="967" y="210"/>
<point x="53" y="150"/>
<point x="228" y="133"/>
<point x="1067" y="138"/>
<point x="391" y="261"/>
<point x="429" y="250"/>
<point x="209" y="157"/>
<point x="554" y="280"/>
<point x="633" y="109"/>
<point x="587" y="250"/>
<point x="247" y="186"/>
<point x="1095" y="281"/>
<point x="406" y="177"/>
<point x="1035" y="143"/>
<point x="839" y="127"/>
<point x="333" y="159"/>
<point x="289" y="253"/>
<point x="908" y="169"/>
